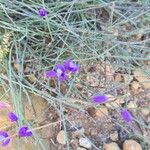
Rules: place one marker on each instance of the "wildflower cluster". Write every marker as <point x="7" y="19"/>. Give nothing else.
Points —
<point x="23" y="131"/>
<point x="60" y="73"/>
<point x="60" y="70"/>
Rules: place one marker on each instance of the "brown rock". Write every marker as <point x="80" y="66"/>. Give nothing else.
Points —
<point x="131" y="145"/>
<point x="91" y="111"/>
<point x="111" y="146"/>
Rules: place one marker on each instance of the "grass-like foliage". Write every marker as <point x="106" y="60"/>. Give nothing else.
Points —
<point x="102" y="33"/>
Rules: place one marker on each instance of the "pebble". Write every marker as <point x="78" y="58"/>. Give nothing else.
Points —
<point x="61" y="137"/>
<point x="93" y="132"/>
<point x="114" y="136"/>
<point x="79" y="132"/>
<point x="84" y="142"/>
<point x="145" y="111"/>
<point x="80" y="148"/>
<point x="119" y="78"/>
<point x="131" y="145"/>
<point x="132" y="105"/>
<point x="111" y="146"/>
<point x="135" y="85"/>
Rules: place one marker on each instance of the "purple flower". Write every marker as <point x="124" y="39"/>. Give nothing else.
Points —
<point x="72" y="67"/>
<point x="4" y="138"/>
<point x="12" y="117"/>
<point x="126" y="116"/>
<point x="42" y="12"/>
<point x="23" y="132"/>
<point x="99" y="99"/>
<point x="59" y="73"/>
<point x="50" y="73"/>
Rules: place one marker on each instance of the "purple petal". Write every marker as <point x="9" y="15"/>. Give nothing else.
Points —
<point x="3" y="136"/>
<point x="60" y="67"/>
<point x="61" y="72"/>
<point x="5" y="142"/>
<point x="42" y="12"/>
<point x="50" y="73"/>
<point x="29" y="133"/>
<point x="63" y="77"/>
<point x="71" y="66"/>
<point x="126" y="116"/>
<point x="23" y="132"/>
<point x="12" y="117"/>
<point x="99" y="99"/>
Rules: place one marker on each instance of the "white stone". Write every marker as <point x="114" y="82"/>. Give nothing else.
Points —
<point x="84" y="142"/>
<point x="80" y="148"/>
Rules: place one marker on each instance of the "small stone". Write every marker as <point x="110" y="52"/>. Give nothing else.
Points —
<point x="114" y="136"/>
<point x="61" y="137"/>
<point x="31" y="78"/>
<point x="145" y="111"/>
<point x="109" y="71"/>
<point x="84" y="142"/>
<point x="80" y="148"/>
<point x="119" y="78"/>
<point x="16" y="66"/>
<point x="91" y="111"/>
<point x="93" y="131"/>
<point x="79" y="132"/>
<point x="115" y="32"/>
<point x="132" y="105"/>
<point x="131" y="145"/>
<point x="111" y="146"/>
<point x="135" y="85"/>
<point x="100" y="113"/>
